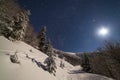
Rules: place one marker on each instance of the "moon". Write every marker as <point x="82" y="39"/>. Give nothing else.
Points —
<point x="103" y="31"/>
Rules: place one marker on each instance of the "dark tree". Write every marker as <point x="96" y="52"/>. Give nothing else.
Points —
<point x="42" y="39"/>
<point x="85" y="63"/>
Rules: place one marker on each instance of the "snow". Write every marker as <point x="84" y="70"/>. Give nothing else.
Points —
<point x="28" y="70"/>
<point x="71" y="53"/>
<point x="77" y="74"/>
<point x="87" y="76"/>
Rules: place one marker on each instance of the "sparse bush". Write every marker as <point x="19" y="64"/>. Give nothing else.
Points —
<point x="62" y="65"/>
<point x="106" y="61"/>
<point x="31" y="36"/>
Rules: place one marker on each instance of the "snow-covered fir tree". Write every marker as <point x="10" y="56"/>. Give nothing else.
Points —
<point x="50" y="60"/>
<point x="13" y="20"/>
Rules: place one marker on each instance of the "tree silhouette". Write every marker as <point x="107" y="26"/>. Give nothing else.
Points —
<point x="85" y="63"/>
<point x="42" y="39"/>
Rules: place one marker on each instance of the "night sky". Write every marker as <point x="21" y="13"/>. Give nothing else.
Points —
<point x="72" y="25"/>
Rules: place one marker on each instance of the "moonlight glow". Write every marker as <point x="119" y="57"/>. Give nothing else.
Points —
<point x="103" y="31"/>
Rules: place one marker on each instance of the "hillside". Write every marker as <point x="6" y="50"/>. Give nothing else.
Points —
<point x="69" y="57"/>
<point x="28" y="70"/>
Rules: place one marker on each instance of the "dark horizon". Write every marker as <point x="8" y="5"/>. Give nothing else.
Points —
<point x="72" y="24"/>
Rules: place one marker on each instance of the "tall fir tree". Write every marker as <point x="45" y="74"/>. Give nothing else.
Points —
<point x="50" y="61"/>
<point x="42" y="39"/>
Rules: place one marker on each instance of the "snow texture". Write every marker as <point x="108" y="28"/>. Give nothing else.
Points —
<point x="31" y="65"/>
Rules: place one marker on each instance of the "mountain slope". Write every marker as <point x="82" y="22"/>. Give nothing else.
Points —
<point x="31" y="65"/>
<point x="27" y="70"/>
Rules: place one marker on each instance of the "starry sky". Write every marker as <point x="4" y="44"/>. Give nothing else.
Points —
<point x="72" y="24"/>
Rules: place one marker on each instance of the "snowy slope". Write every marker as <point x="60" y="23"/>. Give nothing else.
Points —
<point x="29" y="70"/>
<point x="77" y="74"/>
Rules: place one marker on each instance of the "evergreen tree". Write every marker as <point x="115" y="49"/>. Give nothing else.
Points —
<point x="42" y="39"/>
<point x="51" y="65"/>
<point x="85" y="63"/>
<point x="5" y="17"/>
<point x="13" y="20"/>
<point x="20" y="24"/>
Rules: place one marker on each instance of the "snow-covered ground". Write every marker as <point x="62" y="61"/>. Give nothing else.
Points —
<point x="77" y="74"/>
<point x="28" y="70"/>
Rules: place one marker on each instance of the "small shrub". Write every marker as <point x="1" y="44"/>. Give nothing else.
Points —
<point x="14" y="59"/>
<point x="62" y="65"/>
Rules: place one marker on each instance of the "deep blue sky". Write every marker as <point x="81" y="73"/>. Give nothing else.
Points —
<point x="72" y="24"/>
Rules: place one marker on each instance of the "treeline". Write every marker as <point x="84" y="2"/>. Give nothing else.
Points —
<point x="105" y="61"/>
